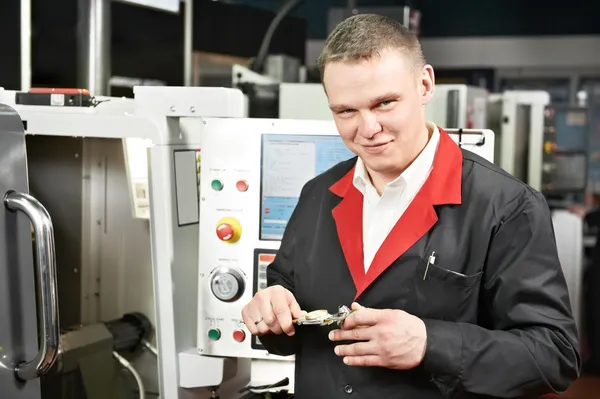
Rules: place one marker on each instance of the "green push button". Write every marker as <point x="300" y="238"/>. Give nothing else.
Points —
<point x="214" y="334"/>
<point x="217" y="185"/>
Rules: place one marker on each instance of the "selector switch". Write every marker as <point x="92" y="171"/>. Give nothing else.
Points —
<point x="229" y="230"/>
<point x="227" y="284"/>
<point x="239" y="335"/>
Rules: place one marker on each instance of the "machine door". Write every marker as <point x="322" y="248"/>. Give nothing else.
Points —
<point x="29" y="330"/>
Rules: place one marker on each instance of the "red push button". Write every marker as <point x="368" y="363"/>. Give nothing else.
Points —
<point x="239" y="335"/>
<point x="229" y="230"/>
<point x="242" y="185"/>
<point x="225" y="232"/>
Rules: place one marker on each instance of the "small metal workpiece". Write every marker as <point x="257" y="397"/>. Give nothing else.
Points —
<point x="323" y="317"/>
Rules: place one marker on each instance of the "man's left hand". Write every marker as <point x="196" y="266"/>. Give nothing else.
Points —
<point x="388" y="338"/>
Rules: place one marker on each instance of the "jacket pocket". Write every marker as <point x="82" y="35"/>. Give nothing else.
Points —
<point x="443" y="294"/>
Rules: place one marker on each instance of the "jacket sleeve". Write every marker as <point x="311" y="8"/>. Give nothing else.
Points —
<point x="530" y="345"/>
<point x="281" y="272"/>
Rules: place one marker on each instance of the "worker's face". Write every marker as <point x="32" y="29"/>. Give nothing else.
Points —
<point x="379" y="108"/>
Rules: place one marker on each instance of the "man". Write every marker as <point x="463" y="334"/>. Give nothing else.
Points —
<point x="449" y="262"/>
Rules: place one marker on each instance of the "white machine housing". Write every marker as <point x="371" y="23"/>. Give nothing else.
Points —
<point x="517" y="117"/>
<point x="458" y="106"/>
<point x="303" y="101"/>
<point x="128" y="264"/>
<point x="231" y="187"/>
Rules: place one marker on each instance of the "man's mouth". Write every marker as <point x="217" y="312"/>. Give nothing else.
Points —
<point x="375" y="147"/>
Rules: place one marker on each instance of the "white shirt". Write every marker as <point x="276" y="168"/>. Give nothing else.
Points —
<point x="380" y="214"/>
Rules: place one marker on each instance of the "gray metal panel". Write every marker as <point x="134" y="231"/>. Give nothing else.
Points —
<point x="18" y="329"/>
<point x="453" y="109"/>
<point x="55" y="179"/>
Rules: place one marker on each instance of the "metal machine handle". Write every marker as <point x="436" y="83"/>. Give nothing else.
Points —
<point x="45" y="263"/>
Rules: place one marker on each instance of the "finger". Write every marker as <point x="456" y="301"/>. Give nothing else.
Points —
<point x="356" y="334"/>
<point x="356" y="306"/>
<point x="357" y="349"/>
<point x="364" y="361"/>
<point x="361" y="318"/>
<point x="283" y="314"/>
<point x="249" y="322"/>
<point x="269" y="320"/>
<point x="296" y="311"/>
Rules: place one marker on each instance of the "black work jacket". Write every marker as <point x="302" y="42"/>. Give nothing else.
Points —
<point x="495" y="303"/>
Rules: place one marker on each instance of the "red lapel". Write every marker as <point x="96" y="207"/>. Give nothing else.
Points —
<point x="442" y="187"/>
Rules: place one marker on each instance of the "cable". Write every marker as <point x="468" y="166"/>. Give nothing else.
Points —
<point x="150" y="347"/>
<point x="133" y="372"/>
<point x="286" y="8"/>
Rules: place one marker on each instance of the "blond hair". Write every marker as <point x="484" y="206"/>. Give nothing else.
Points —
<point x="364" y="36"/>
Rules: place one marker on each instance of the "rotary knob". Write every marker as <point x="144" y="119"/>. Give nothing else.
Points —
<point x="227" y="284"/>
<point x="229" y="230"/>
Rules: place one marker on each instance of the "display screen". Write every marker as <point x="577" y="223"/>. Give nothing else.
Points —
<point x="288" y="162"/>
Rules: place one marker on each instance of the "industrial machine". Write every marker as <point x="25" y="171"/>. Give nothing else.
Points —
<point x="208" y="252"/>
<point x="458" y="106"/>
<point x="519" y="118"/>
<point x="220" y="188"/>
<point x="74" y="361"/>
<point x="252" y="173"/>
<point x="81" y="165"/>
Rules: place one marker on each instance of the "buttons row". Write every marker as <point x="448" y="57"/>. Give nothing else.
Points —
<point x="215" y="335"/>
<point x="218" y="185"/>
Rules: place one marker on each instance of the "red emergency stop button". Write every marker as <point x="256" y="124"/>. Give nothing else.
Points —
<point x="225" y="232"/>
<point x="241" y="185"/>
<point x="229" y="230"/>
<point x="239" y="335"/>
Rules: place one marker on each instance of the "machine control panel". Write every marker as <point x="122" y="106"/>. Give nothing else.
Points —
<point x="251" y="176"/>
<point x="564" y="160"/>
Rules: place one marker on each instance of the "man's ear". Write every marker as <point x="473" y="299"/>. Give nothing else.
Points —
<point x="427" y="84"/>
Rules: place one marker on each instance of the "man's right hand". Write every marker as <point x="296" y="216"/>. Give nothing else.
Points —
<point x="271" y="311"/>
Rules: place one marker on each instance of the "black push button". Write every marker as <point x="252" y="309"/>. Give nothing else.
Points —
<point x="348" y="389"/>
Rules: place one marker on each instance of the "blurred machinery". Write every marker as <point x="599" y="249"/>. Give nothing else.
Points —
<point x="565" y="167"/>
<point x="458" y="106"/>
<point x="519" y="118"/>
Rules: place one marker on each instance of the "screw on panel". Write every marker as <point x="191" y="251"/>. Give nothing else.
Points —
<point x="192" y="109"/>
<point x="201" y="274"/>
<point x="172" y="108"/>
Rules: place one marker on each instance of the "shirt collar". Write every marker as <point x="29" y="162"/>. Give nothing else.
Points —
<point x="415" y="174"/>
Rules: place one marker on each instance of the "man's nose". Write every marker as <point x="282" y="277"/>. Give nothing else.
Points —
<point x="369" y="126"/>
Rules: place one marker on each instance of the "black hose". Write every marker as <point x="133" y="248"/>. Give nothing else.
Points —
<point x="258" y="63"/>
